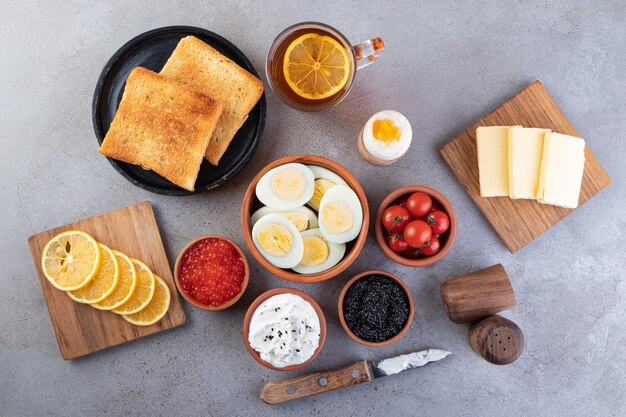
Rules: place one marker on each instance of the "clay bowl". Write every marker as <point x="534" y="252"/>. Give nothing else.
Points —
<point x="257" y="302"/>
<point x="408" y="296"/>
<point x="195" y="302"/>
<point x="251" y="204"/>
<point x="446" y="239"/>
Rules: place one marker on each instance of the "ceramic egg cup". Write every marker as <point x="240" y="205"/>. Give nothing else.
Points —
<point x="353" y="248"/>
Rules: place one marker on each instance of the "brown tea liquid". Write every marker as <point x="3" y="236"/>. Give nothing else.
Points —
<point x="275" y="71"/>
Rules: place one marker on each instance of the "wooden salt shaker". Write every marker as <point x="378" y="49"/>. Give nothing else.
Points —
<point x="482" y="293"/>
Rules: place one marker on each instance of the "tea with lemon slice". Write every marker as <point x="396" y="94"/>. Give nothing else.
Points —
<point x="311" y="66"/>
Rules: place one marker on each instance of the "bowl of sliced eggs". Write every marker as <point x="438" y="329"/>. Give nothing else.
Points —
<point x="305" y="218"/>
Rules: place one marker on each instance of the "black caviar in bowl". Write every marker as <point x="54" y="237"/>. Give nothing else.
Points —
<point x="376" y="308"/>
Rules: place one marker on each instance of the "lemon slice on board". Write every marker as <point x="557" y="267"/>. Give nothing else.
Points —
<point x="156" y="308"/>
<point x="103" y="283"/>
<point x="71" y="259"/>
<point x="125" y="286"/>
<point x="143" y="292"/>
<point x="316" y="66"/>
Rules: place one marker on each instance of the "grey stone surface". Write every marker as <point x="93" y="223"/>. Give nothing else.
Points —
<point x="446" y="64"/>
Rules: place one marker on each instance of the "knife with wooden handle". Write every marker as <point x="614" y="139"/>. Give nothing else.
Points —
<point x="355" y="373"/>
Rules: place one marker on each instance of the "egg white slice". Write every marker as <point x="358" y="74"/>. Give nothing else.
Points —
<point x="293" y="257"/>
<point x="268" y="196"/>
<point x="345" y="197"/>
<point x="310" y="214"/>
<point x="335" y="255"/>
<point x="321" y="172"/>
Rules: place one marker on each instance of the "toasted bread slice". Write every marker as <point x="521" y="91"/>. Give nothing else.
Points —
<point x="199" y="66"/>
<point x="163" y="126"/>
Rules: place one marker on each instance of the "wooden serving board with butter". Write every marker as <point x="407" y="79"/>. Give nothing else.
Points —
<point x="518" y="221"/>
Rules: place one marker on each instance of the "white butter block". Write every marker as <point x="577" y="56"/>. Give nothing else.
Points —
<point x="562" y="167"/>
<point x="525" y="154"/>
<point x="493" y="164"/>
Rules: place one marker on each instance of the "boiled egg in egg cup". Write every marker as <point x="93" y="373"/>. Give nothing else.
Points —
<point x="326" y="193"/>
<point x="385" y="138"/>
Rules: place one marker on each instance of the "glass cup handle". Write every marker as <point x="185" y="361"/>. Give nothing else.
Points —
<point x="366" y="52"/>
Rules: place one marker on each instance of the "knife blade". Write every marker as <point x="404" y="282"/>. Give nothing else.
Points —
<point x="397" y="364"/>
<point x="355" y="373"/>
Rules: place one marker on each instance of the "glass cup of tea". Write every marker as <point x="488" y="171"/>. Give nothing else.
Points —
<point x="311" y="66"/>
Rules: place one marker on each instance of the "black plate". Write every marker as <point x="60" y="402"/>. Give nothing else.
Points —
<point x="151" y="50"/>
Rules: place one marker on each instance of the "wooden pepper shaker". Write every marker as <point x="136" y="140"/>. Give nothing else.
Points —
<point x="496" y="339"/>
<point x="482" y="293"/>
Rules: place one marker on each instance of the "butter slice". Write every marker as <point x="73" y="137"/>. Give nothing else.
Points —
<point x="562" y="167"/>
<point x="525" y="154"/>
<point x="493" y="165"/>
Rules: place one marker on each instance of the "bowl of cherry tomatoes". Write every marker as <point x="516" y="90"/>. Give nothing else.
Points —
<point x="415" y="226"/>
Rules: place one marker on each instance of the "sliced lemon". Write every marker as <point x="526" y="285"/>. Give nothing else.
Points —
<point x="70" y="260"/>
<point x="103" y="283"/>
<point x="142" y="294"/>
<point x="156" y="308"/>
<point x="125" y="286"/>
<point x="316" y="66"/>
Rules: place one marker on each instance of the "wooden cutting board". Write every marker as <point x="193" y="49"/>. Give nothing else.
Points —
<point x="519" y="222"/>
<point x="81" y="329"/>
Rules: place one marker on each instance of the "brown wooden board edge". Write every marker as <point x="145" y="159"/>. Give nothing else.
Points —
<point x="37" y="261"/>
<point x="473" y="127"/>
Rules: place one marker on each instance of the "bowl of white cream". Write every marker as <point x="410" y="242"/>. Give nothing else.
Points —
<point x="284" y="329"/>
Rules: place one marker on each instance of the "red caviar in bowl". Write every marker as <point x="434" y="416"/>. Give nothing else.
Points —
<point x="212" y="271"/>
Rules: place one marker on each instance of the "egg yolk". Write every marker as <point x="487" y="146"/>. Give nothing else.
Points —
<point x="275" y="239"/>
<point x="315" y="251"/>
<point x="301" y="221"/>
<point x="288" y="183"/>
<point x="385" y="131"/>
<point x="338" y="217"/>
<point x="321" y="186"/>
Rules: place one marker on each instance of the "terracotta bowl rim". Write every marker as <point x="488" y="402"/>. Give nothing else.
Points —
<point x="427" y="260"/>
<point x="406" y="291"/>
<point x="264" y="296"/>
<point x="358" y="243"/>
<point x="195" y="302"/>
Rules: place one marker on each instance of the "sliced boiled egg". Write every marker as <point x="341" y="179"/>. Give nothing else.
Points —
<point x="286" y="187"/>
<point x="278" y="240"/>
<point x="341" y="215"/>
<point x="324" y="179"/>
<point x="319" y="254"/>
<point x="302" y="217"/>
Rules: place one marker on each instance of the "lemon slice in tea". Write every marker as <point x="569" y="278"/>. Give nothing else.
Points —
<point x="70" y="260"/>
<point x="316" y="66"/>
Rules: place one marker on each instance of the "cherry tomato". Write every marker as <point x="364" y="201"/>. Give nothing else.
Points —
<point x="397" y="243"/>
<point x="412" y="253"/>
<point x="419" y="204"/>
<point x="431" y="247"/>
<point x="401" y="201"/>
<point x="417" y="233"/>
<point x="395" y="218"/>
<point x="438" y="221"/>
